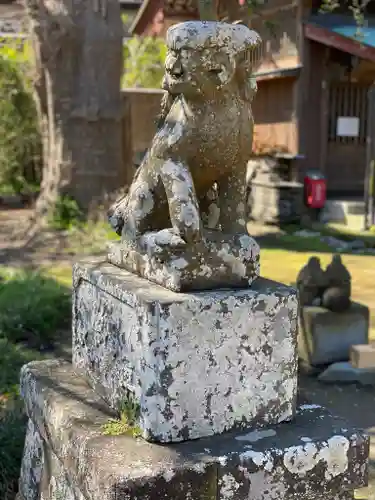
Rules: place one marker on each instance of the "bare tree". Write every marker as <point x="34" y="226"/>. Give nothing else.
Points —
<point x="78" y="68"/>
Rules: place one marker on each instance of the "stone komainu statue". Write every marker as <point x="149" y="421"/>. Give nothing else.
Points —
<point x="311" y="283"/>
<point x="330" y="288"/>
<point x="337" y="295"/>
<point x="204" y="138"/>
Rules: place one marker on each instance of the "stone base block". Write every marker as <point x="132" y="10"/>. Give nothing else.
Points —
<point x="67" y="456"/>
<point x="363" y="356"/>
<point x="220" y="260"/>
<point x="198" y="364"/>
<point x="276" y="202"/>
<point x="326" y="337"/>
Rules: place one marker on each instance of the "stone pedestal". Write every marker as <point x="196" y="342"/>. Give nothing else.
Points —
<point x="198" y="364"/>
<point x="326" y="337"/>
<point x="276" y="202"/>
<point x="68" y="457"/>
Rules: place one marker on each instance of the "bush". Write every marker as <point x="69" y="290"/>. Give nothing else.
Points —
<point x="144" y="62"/>
<point x="20" y="142"/>
<point x="66" y="214"/>
<point x="12" y="437"/>
<point x="12" y="418"/>
<point x="32" y="307"/>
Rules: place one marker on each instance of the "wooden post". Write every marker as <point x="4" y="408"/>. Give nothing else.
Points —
<point x="369" y="194"/>
<point x="324" y="110"/>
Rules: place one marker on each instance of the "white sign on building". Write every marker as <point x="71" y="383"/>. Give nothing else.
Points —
<point x="347" y="126"/>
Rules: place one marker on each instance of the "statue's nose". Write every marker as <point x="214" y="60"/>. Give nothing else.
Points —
<point x="173" y="66"/>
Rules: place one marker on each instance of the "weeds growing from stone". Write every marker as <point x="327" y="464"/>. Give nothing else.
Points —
<point x="127" y="423"/>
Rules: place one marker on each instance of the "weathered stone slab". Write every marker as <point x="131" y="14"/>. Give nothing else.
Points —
<point x="326" y="337"/>
<point x="316" y="456"/>
<point x="344" y="372"/>
<point x="220" y="260"/>
<point x="198" y="364"/>
<point x="32" y="464"/>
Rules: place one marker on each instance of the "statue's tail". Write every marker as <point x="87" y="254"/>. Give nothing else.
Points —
<point x="116" y="212"/>
<point x="115" y="218"/>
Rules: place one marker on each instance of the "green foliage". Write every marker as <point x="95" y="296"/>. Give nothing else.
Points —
<point x="12" y="419"/>
<point x="66" y="214"/>
<point x="32" y="307"/>
<point x="12" y="436"/>
<point x="144" y="62"/>
<point x="20" y="142"/>
<point x="127" y="423"/>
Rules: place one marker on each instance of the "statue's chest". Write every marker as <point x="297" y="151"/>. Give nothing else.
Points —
<point x="217" y="137"/>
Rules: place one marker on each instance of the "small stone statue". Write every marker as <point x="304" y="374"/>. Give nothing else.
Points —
<point x="330" y="288"/>
<point x="311" y="283"/>
<point x="204" y="139"/>
<point x="337" y="295"/>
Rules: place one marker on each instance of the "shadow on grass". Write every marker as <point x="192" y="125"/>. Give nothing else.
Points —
<point x="31" y="247"/>
<point x="33" y="309"/>
<point x="282" y="241"/>
<point x="286" y="239"/>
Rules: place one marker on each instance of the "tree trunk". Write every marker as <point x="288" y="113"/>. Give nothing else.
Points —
<point x="78" y="62"/>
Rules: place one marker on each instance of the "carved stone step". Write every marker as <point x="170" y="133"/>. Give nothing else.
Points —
<point x="68" y="457"/>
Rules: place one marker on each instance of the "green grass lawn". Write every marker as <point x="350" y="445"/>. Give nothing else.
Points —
<point x="36" y="307"/>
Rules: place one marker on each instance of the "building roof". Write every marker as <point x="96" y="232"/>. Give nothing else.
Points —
<point x="346" y="26"/>
<point x="341" y="32"/>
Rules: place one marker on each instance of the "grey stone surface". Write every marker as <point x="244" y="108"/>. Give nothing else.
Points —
<point x="345" y="372"/>
<point x="224" y="260"/>
<point x="32" y="464"/>
<point x="316" y="456"/>
<point x="198" y="364"/>
<point x="326" y="337"/>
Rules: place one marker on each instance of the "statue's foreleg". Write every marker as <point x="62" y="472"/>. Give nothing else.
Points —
<point x="232" y="198"/>
<point x="182" y="200"/>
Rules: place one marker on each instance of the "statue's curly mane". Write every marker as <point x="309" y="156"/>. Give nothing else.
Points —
<point x="165" y="106"/>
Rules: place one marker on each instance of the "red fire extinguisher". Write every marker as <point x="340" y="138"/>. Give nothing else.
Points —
<point x="315" y="190"/>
